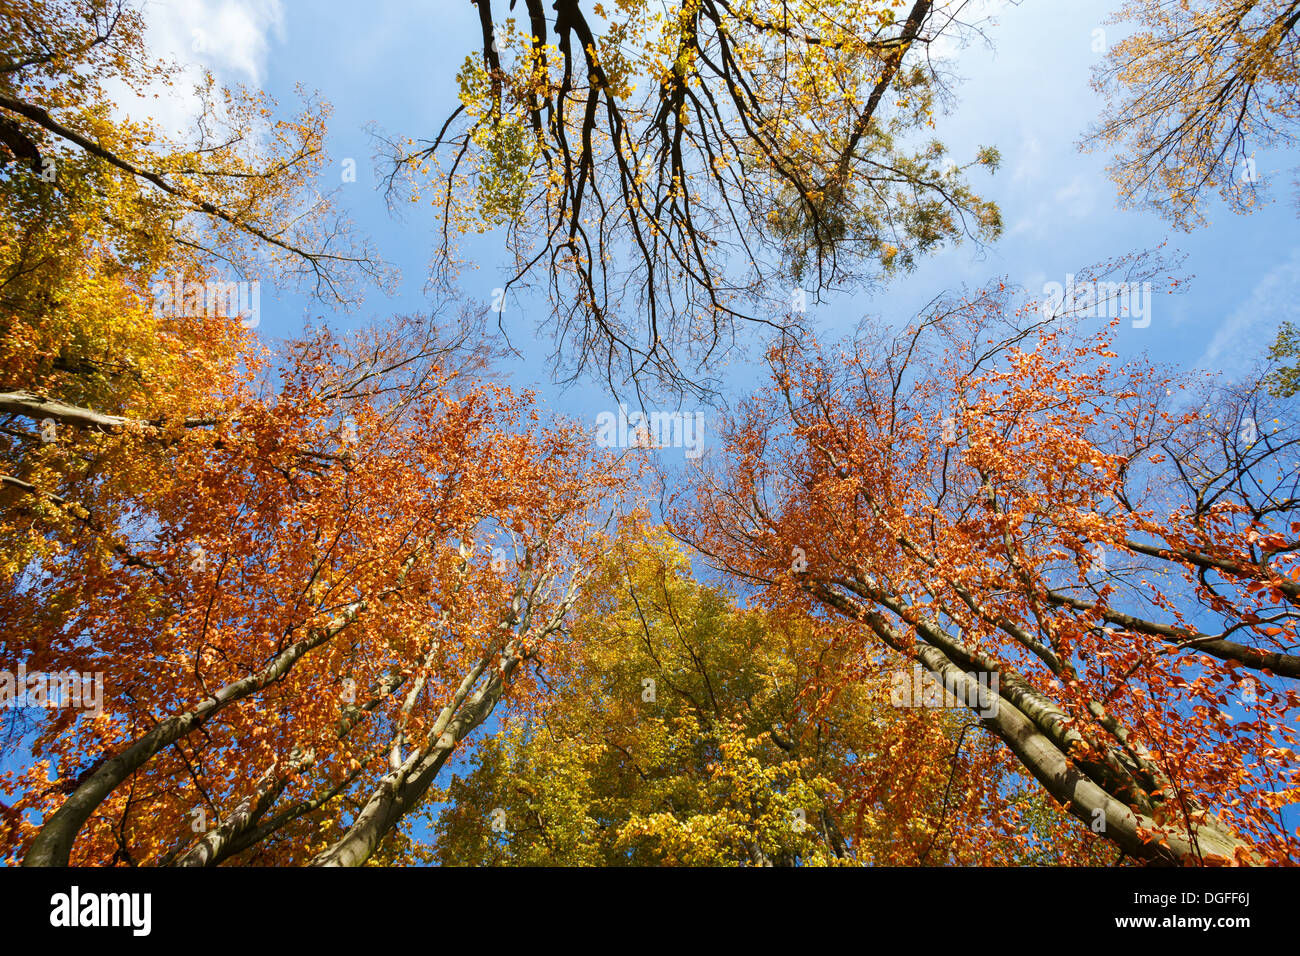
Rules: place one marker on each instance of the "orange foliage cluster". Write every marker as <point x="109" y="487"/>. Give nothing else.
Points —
<point x="993" y="493"/>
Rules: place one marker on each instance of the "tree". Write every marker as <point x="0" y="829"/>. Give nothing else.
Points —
<point x="992" y="495"/>
<point x="1284" y="379"/>
<point x="1192" y="94"/>
<point x="261" y="571"/>
<point x="239" y="191"/>
<point x="680" y="729"/>
<point x="327" y="593"/>
<point x="122" y="253"/>
<point x="671" y="169"/>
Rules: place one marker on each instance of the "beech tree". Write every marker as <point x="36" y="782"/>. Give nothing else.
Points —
<point x="267" y="569"/>
<point x="238" y="191"/>
<point x="679" y="729"/>
<point x="1192" y="93"/>
<point x="670" y="170"/>
<point x="301" y="580"/>
<point x="994" y="493"/>
<point x="98" y="215"/>
<point x="312" y="616"/>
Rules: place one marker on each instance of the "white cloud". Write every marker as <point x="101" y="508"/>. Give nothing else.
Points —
<point x="971" y="13"/>
<point x="232" y="38"/>
<point x="228" y="36"/>
<point x="1029" y="159"/>
<point x="1246" y="335"/>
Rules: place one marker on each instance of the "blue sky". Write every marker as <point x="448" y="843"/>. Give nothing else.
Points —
<point x="393" y="64"/>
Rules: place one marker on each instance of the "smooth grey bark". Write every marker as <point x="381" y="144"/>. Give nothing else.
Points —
<point x="38" y="408"/>
<point x="1288" y="587"/>
<point x="404" y="786"/>
<point x="32" y="406"/>
<point x="240" y="830"/>
<point x="214" y="844"/>
<point x="1284" y="665"/>
<point x="53" y="843"/>
<point x="252" y="836"/>
<point x="1036" y="731"/>
<point x="1073" y="789"/>
<point x="402" y="789"/>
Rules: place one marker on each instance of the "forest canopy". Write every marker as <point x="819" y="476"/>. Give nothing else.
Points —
<point x="983" y="587"/>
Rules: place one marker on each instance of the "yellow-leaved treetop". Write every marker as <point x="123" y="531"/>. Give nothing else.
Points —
<point x="681" y="729"/>
<point x="1192" y="93"/>
<point x="670" y="169"/>
<point x="134" y="262"/>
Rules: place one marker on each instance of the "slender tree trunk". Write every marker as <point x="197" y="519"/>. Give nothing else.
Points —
<point x="53" y="843"/>
<point x="1074" y="789"/>
<point x="216" y="842"/>
<point x="403" y="788"/>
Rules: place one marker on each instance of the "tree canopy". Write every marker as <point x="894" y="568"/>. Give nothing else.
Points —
<point x="993" y="492"/>
<point x="683" y="730"/>
<point x="1192" y="93"/>
<point x="670" y="172"/>
<point x="982" y="590"/>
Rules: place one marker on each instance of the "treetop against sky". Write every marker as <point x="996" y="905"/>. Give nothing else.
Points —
<point x="645" y="432"/>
